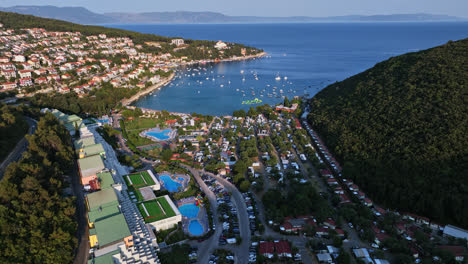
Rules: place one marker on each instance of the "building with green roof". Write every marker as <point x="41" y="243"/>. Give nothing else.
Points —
<point x="91" y="150"/>
<point x="104" y="259"/>
<point x="89" y="167"/>
<point x="109" y="231"/>
<point x="83" y="142"/>
<point x="99" y="199"/>
<point x="105" y="180"/>
<point x="101" y="204"/>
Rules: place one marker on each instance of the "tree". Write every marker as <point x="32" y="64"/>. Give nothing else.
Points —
<point x="343" y="257"/>
<point x="384" y="125"/>
<point x="244" y="186"/>
<point x="166" y="154"/>
<point x="286" y="102"/>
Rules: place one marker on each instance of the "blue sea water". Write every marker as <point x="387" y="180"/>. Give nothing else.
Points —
<point x="170" y="184"/>
<point x="311" y="56"/>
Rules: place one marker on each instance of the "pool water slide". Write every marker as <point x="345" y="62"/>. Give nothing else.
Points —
<point x="206" y="247"/>
<point x="169" y="183"/>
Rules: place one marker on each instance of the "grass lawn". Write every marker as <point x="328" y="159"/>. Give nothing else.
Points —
<point x="140" y="123"/>
<point x="135" y="138"/>
<point x="138" y="180"/>
<point x="155" y="210"/>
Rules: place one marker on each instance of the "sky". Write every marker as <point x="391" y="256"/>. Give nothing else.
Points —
<point x="315" y="8"/>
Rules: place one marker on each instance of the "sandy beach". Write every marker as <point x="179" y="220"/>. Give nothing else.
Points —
<point x="164" y="82"/>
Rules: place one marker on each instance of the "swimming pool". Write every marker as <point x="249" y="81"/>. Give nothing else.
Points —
<point x="195" y="228"/>
<point x="103" y="121"/>
<point x="158" y="134"/>
<point x="170" y="184"/>
<point x="189" y="210"/>
<point x="180" y="179"/>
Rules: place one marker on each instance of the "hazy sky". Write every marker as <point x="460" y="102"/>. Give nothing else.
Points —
<point x="266" y="7"/>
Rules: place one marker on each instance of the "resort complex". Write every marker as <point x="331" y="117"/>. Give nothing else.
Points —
<point x="93" y="178"/>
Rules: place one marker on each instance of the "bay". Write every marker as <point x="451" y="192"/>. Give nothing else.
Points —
<point x="309" y="55"/>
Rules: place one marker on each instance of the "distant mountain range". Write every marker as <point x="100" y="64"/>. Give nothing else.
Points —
<point x="84" y="16"/>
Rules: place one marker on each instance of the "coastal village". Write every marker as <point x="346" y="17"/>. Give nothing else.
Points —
<point x="257" y="186"/>
<point x="34" y="60"/>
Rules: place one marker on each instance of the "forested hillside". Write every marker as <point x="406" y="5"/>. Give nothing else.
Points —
<point x="37" y="222"/>
<point x="401" y="131"/>
<point x="12" y="128"/>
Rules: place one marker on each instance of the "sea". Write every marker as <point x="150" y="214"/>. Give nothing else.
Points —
<point x="302" y="60"/>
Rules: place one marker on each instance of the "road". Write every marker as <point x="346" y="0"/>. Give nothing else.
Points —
<point x="82" y="253"/>
<point x="242" y="252"/>
<point x="20" y="147"/>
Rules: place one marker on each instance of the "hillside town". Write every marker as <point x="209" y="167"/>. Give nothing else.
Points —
<point x="34" y="60"/>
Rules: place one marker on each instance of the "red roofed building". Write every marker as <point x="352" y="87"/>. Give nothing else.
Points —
<point x="298" y="124"/>
<point x="344" y="199"/>
<point x="380" y="237"/>
<point x="321" y="231"/>
<point x="267" y="249"/>
<point x="287" y="109"/>
<point x="330" y="223"/>
<point x="8" y="86"/>
<point x="283" y="249"/>
<point x="367" y="202"/>
<point x="340" y="232"/>
<point x="171" y="121"/>
<point x="325" y="173"/>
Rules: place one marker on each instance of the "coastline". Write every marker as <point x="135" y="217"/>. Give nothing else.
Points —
<point x="166" y="81"/>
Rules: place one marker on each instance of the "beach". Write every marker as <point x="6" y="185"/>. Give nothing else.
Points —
<point x="162" y="83"/>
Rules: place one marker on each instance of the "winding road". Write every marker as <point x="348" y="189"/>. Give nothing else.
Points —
<point x="20" y="147"/>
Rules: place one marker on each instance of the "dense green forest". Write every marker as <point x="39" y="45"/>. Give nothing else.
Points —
<point x="13" y="126"/>
<point x="299" y="200"/>
<point x="37" y="222"/>
<point x="99" y="101"/>
<point x="19" y="21"/>
<point x="400" y="130"/>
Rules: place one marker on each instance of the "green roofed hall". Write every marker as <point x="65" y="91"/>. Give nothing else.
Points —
<point x="101" y="199"/>
<point x="111" y="229"/>
<point x="104" y="259"/>
<point x="105" y="180"/>
<point x="81" y="143"/>
<point x="70" y="118"/>
<point x="91" y="150"/>
<point x="90" y="165"/>
<point x="103" y="212"/>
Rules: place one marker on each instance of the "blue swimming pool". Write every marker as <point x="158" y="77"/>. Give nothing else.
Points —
<point x="195" y="228"/>
<point x="180" y="179"/>
<point x="170" y="184"/>
<point x="158" y="134"/>
<point x="189" y="210"/>
<point x="104" y="121"/>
